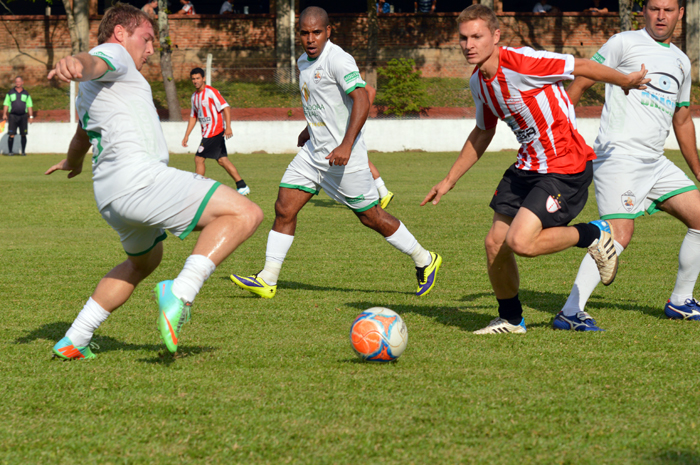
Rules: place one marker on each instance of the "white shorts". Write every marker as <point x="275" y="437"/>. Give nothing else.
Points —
<point x="174" y="201"/>
<point x="627" y="186"/>
<point x="355" y="190"/>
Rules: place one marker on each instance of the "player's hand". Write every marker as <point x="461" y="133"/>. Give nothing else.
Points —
<point x="436" y="193"/>
<point x="4" y="117"/>
<point x="304" y="137"/>
<point x="637" y="80"/>
<point x="31" y="120"/>
<point x="228" y="133"/>
<point x="184" y="142"/>
<point x="340" y="156"/>
<point x="67" y="69"/>
<point x="63" y="165"/>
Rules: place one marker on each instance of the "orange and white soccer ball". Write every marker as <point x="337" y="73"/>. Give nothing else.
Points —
<point x="379" y="335"/>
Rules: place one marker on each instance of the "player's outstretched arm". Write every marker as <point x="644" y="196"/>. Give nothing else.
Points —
<point x="684" y="128"/>
<point x="360" y="110"/>
<point x="76" y="154"/>
<point x="80" y="67"/>
<point x="475" y="146"/>
<point x="597" y="72"/>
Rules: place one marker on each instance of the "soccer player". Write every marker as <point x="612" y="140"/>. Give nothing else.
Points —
<point x="631" y="173"/>
<point x="207" y="106"/>
<point x="136" y="192"/>
<point x="333" y="157"/>
<point x="19" y="103"/>
<point x="548" y="184"/>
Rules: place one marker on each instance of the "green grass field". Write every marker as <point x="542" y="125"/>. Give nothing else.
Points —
<point x="276" y="381"/>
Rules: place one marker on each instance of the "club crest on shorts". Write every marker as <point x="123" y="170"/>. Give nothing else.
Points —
<point x="200" y="149"/>
<point x="318" y="74"/>
<point x="628" y="201"/>
<point x="553" y="204"/>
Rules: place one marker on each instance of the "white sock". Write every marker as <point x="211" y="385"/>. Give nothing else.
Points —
<point x="197" y="269"/>
<point x="586" y="281"/>
<point x="88" y="320"/>
<point x="403" y="240"/>
<point x="278" y="245"/>
<point x="383" y="191"/>
<point x="688" y="268"/>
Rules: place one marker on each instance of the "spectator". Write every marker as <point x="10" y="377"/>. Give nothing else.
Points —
<point x="383" y="7"/>
<point x="543" y="7"/>
<point x="226" y="8"/>
<point x="597" y="6"/>
<point x="424" y="6"/>
<point x="187" y="8"/>
<point x="20" y="105"/>
<point x="150" y="9"/>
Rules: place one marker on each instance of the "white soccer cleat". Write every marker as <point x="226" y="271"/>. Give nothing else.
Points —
<point x="244" y="190"/>
<point x="501" y="326"/>
<point x="603" y="252"/>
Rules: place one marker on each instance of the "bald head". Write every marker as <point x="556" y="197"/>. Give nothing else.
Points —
<point x="315" y="13"/>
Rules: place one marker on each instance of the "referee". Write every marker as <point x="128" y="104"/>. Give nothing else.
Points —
<point x="20" y="104"/>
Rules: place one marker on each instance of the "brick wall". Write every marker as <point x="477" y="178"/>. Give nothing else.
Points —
<point x="31" y="45"/>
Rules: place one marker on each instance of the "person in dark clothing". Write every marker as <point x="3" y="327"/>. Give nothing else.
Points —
<point x="19" y="103"/>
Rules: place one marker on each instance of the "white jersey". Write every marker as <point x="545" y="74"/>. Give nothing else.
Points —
<point x="325" y="83"/>
<point x="638" y="124"/>
<point x="117" y="112"/>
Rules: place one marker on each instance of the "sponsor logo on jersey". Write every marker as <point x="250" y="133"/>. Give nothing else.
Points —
<point x="354" y="76"/>
<point x="318" y="74"/>
<point x="524" y="135"/>
<point x="598" y="58"/>
<point x="553" y="204"/>
<point x="661" y="92"/>
<point x="305" y="92"/>
<point x="628" y="200"/>
<point x="204" y="120"/>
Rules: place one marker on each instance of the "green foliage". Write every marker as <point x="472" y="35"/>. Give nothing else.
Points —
<point x="275" y="381"/>
<point x="401" y="89"/>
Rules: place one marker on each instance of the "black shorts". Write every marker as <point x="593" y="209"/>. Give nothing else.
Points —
<point x="212" y="147"/>
<point x="17" y="121"/>
<point x="556" y="199"/>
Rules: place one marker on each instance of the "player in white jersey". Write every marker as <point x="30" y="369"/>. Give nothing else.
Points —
<point x="136" y="192"/>
<point x="333" y="157"/>
<point x="631" y="174"/>
<point x="547" y="187"/>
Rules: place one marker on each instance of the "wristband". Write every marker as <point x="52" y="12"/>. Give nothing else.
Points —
<point x="31" y="117"/>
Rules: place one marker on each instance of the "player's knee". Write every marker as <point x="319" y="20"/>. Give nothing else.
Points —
<point x="222" y="161"/>
<point x="521" y="245"/>
<point x="283" y="212"/>
<point x="492" y="244"/>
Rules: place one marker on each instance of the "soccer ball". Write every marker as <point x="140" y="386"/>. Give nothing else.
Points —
<point x="379" y="335"/>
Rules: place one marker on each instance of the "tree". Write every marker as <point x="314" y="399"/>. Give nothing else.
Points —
<point x="372" y="43"/>
<point x="78" y="16"/>
<point x="625" y="15"/>
<point x="166" y="64"/>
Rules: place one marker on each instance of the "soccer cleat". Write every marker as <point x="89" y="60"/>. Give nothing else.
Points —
<point x="690" y="310"/>
<point x="244" y="190"/>
<point x="172" y="314"/>
<point x="501" y="326"/>
<point x="65" y="350"/>
<point x="386" y="200"/>
<point x="582" y="321"/>
<point x="427" y="275"/>
<point x="256" y="285"/>
<point x="603" y="252"/>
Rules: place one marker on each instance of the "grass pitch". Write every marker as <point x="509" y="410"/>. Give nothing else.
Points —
<point x="270" y="381"/>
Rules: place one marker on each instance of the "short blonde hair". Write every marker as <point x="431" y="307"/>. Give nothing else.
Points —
<point x="479" y="12"/>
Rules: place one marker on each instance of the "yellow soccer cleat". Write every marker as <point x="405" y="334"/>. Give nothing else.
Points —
<point x="386" y="200"/>
<point x="428" y="274"/>
<point x="256" y="285"/>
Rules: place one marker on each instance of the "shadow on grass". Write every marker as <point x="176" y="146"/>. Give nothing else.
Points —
<point x="326" y="203"/>
<point x="56" y="330"/>
<point x="310" y="287"/>
<point x="674" y="456"/>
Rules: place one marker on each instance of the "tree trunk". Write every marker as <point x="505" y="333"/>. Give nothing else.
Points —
<point x="166" y="64"/>
<point x="283" y="42"/>
<point x="372" y="43"/>
<point x="77" y="16"/>
<point x="625" y="15"/>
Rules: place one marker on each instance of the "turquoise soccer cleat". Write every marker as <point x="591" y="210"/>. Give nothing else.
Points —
<point x="172" y="314"/>
<point x="65" y="350"/>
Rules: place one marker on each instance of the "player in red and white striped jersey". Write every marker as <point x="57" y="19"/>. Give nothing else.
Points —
<point x="208" y="106"/>
<point x="547" y="186"/>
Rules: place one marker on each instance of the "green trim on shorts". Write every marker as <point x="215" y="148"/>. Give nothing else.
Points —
<point x="360" y="210"/>
<point x="655" y="204"/>
<point x="301" y="188"/>
<point x="200" y="210"/>
<point x="160" y="238"/>
<point x="625" y="216"/>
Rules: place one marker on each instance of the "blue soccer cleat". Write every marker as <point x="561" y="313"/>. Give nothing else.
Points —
<point x="582" y="321"/>
<point x="65" y="350"/>
<point x="690" y="310"/>
<point x="172" y="314"/>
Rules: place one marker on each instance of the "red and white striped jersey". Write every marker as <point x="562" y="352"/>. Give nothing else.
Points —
<point x="207" y="105"/>
<point x="527" y="93"/>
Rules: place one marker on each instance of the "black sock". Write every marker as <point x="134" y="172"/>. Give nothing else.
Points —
<point x="587" y="234"/>
<point x="24" y="143"/>
<point x="511" y="310"/>
<point x="240" y="184"/>
<point x="10" y="143"/>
